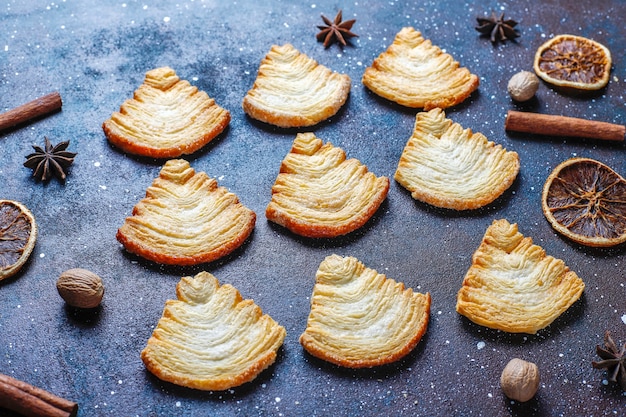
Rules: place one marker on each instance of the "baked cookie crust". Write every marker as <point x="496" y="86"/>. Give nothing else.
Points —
<point x="321" y="194"/>
<point x="414" y="73"/>
<point x="450" y="167"/>
<point x="293" y="90"/>
<point x="360" y="318"/>
<point x="513" y="285"/>
<point x="210" y="338"/>
<point x="166" y="118"/>
<point x="186" y="219"/>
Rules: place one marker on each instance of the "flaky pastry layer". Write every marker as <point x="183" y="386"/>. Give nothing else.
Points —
<point x="210" y="338"/>
<point x="319" y="193"/>
<point x="293" y="90"/>
<point x="414" y="73"/>
<point x="450" y="167"/>
<point x="360" y="318"/>
<point x="166" y="118"/>
<point x="513" y="286"/>
<point x="186" y="219"/>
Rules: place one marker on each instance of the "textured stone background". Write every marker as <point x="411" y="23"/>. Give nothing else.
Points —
<point x="96" y="53"/>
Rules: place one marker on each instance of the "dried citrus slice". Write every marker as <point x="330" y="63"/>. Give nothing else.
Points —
<point x="18" y="233"/>
<point x="573" y="61"/>
<point x="585" y="200"/>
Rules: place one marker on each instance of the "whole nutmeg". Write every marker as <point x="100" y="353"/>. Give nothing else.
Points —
<point x="520" y="380"/>
<point x="523" y="86"/>
<point x="80" y="288"/>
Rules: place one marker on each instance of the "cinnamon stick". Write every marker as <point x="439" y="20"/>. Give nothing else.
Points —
<point x="31" y="110"/>
<point x="31" y="401"/>
<point x="553" y="125"/>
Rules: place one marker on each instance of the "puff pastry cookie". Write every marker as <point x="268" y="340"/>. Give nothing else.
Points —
<point x="318" y="193"/>
<point x="186" y="219"/>
<point x="360" y="318"/>
<point x="166" y="118"/>
<point x="210" y="338"/>
<point x="513" y="285"/>
<point x="293" y="90"/>
<point x="450" y="167"/>
<point x="414" y="73"/>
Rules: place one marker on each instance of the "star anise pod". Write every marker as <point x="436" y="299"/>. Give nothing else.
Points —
<point x="497" y="28"/>
<point x="51" y="160"/>
<point x="614" y="360"/>
<point x="335" y="30"/>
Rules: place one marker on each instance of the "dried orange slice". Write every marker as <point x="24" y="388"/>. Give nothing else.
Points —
<point x="574" y="62"/>
<point x="18" y="233"/>
<point x="585" y="200"/>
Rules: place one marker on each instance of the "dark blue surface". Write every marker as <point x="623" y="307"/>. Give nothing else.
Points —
<point x="96" y="54"/>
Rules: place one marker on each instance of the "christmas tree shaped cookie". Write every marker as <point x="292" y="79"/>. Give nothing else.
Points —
<point x="360" y="318"/>
<point x="450" y="167"/>
<point x="166" y="118"/>
<point x="319" y="193"/>
<point x="415" y="73"/>
<point x="210" y="338"/>
<point x="513" y="286"/>
<point x="293" y="90"/>
<point x="186" y="219"/>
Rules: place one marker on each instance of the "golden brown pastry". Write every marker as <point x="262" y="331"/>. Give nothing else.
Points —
<point x="318" y="193"/>
<point x="166" y="118"/>
<point x="414" y="73"/>
<point x="513" y="285"/>
<point x="360" y="318"/>
<point x="186" y="219"/>
<point x="210" y="338"/>
<point x="293" y="90"/>
<point x="450" y="167"/>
